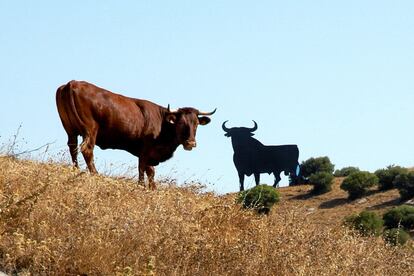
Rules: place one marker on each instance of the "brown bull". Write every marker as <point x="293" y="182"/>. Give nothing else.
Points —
<point x="112" y="121"/>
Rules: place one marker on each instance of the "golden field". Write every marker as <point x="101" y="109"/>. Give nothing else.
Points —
<point x="56" y="220"/>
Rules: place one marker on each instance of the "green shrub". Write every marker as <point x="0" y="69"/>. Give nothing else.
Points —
<point x="401" y="216"/>
<point x="367" y="223"/>
<point x="396" y="236"/>
<point x="358" y="183"/>
<point x="345" y="171"/>
<point x="315" y="165"/>
<point x="405" y="185"/>
<point x="386" y="177"/>
<point x="261" y="198"/>
<point x="322" y="182"/>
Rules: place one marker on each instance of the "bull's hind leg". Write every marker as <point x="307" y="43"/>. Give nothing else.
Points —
<point x="87" y="151"/>
<point x="257" y="178"/>
<point x="277" y="179"/>
<point x="73" y="149"/>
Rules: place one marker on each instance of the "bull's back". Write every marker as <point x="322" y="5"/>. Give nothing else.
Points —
<point x="283" y="157"/>
<point x="291" y="151"/>
<point x="117" y="120"/>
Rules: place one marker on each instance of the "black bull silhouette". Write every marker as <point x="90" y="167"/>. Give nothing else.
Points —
<point x="252" y="157"/>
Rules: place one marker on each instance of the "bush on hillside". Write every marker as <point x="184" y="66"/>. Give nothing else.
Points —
<point x="315" y="165"/>
<point x="401" y="216"/>
<point x="260" y="198"/>
<point x="396" y="236"/>
<point x="386" y="177"/>
<point x="358" y="183"/>
<point x="405" y="185"/>
<point x="344" y="172"/>
<point x="322" y="182"/>
<point x="367" y="223"/>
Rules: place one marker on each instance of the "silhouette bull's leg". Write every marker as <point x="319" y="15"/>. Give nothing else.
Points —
<point x="241" y="180"/>
<point x="150" y="171"/>
<point x="73" y="149"/>
<point x="257" y="178"/>
<point x="87" y="151"/>
<point x="277" y="178"/>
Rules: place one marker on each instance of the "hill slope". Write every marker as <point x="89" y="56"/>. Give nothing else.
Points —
<point x="58" y="221"/>
<point x="329" y="209"/>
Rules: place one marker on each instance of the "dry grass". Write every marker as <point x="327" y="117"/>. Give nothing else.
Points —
<point x="58" y="221"/>
<point x="329" y="209"/>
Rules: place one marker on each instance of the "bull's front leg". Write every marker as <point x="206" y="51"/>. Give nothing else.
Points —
<point x="141" y="172"/>
<point x="241" y="181"/>
<point x="150" y="171"/>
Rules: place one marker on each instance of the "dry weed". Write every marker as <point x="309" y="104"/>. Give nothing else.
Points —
<point x="55" y="220"/>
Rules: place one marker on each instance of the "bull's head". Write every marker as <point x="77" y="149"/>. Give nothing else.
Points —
<point x="239" y="131"/>
<point x="186" y="121"/>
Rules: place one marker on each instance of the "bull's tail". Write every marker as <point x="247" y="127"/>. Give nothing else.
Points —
<point x="295" y="176"/>
<point x="297" y="172"/>
<point x="67" y="110"/>
<point x="295" y="156"/>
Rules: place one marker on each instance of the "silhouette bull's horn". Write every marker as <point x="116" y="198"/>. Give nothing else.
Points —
<point x="254" y="128"/>
<point x="207" y="113"/>
<point x="223" y="126"/>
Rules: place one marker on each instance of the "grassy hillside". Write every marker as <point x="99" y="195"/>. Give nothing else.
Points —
<point x="329" y="209"/>
<point x="55" y="220"/>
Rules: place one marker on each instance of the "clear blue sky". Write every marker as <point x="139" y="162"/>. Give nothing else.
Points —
<point x="334" y="77"/>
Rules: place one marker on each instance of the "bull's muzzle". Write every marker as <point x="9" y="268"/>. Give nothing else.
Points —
<point x="189" y="145"/>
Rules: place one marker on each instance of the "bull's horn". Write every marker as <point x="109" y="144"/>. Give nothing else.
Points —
<point x="223" y="126"/>
<point x="171" y="111"/>
<point x="254" y="128"/>
<point x="207" y="113"/>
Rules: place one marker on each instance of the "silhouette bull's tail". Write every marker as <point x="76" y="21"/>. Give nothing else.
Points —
<point x="298" y="179"/>
<point x="297" y="170"/>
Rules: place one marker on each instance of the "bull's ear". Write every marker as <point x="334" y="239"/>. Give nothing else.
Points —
<point x="171" y="118"/>
<point x="204" y="120"/>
